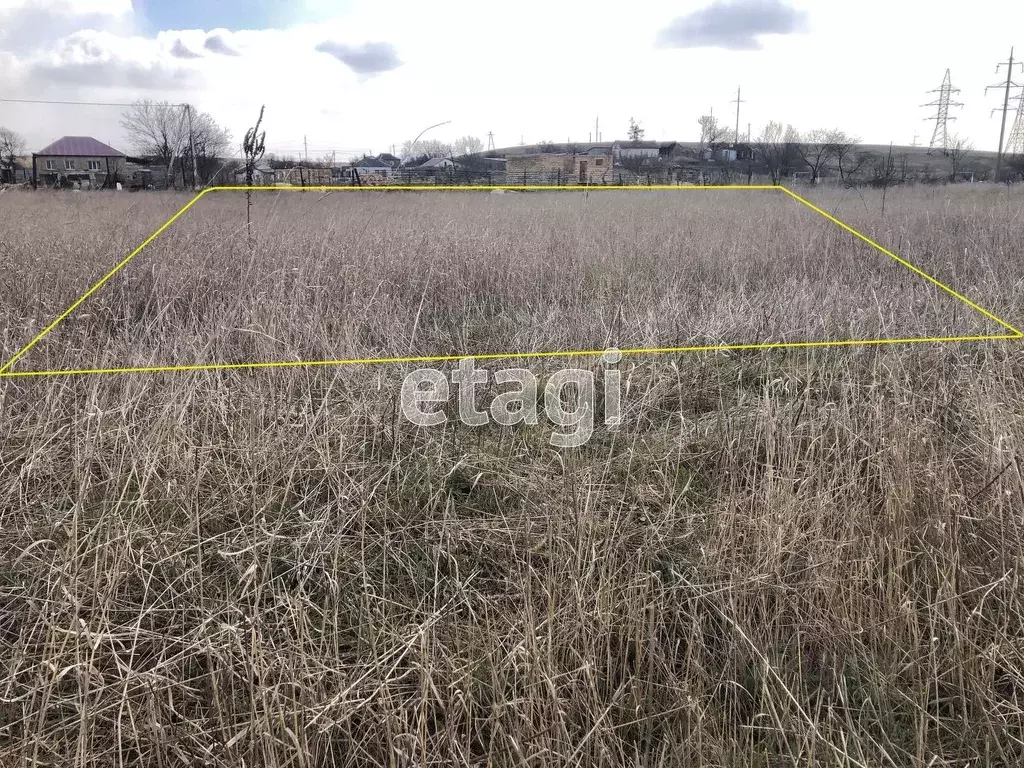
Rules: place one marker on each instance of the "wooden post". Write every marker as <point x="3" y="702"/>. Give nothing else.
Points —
<point x="35" y="183"/>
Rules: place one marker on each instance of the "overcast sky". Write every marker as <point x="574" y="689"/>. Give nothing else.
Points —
<point x="361" y="75"/>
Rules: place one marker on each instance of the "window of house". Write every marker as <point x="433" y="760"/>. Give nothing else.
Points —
<point x="599" y="162"/>
<point x="51" y="165"/>
<point x="69" y="165"/>
<point x="94" y="165"/>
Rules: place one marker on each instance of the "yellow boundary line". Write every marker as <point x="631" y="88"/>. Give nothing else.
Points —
<point x="5" y="371"/>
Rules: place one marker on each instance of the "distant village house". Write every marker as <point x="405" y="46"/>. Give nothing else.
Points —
<point x="77" y="160"/>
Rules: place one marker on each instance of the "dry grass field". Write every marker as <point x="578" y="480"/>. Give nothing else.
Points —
<point x="781" y="557"/>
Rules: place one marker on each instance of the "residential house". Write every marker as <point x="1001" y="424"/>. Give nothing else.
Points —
<point x="77" y="160"/>
<point x="744" y="152"/>
<point x="559" y="168"/>
<point x="390" y="160"/>
<point x="262" y="175"/>
<point x="20" y="172"/>
<point x="372" y="165"/>
<point x="437" y="164"/>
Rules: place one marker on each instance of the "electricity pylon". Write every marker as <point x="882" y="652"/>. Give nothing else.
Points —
<point x="940" y="137"/>
<point x="1015" y="144"/>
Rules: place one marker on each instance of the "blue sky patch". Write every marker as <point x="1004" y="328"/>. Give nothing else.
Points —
<point x="160" y="15"/>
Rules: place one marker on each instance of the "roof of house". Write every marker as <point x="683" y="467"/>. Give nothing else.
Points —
<point x="262" y="168"/>
<point x="638" y="144"/>
<point x="436" y="162"/>
<point x="79" y="146"/>
<point x="369" y="162"/>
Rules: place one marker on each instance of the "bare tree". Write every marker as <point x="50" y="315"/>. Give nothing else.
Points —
<point x="903" y="164"/>
<point x="635" y="132"/>
<point x="467" y="145"/>
<point x="254" y="146"/>
<point x="430" y="148"/>
<point x="848" y="160"/>
<point x="162" y="130"/>
<point x="712" y="133"/>
<point x="816" y="149"/>
<point x="1015" y="168"/>
<point x="958" y="152"/>
<point x="885" y="173"/>
<point x="773" y="148"/>
<point x="158" y="129"/>
<point x="211" y="142"/>
<point x="12" y="146"/>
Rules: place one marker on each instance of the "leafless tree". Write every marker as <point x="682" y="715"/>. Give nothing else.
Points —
<point x="844" y="151"/>
<point x="957" y="154"/>
<point x="816" y="149"/>
<point x="775" y="148"/>
<point x="161" y="130"/>
<point x="1015" y="167"/>
<point x="254" y="146"/>
<point x="211" y="142"/>
<point x="903" y="164"/>
<point x="430" y="148"/>
<point x="885" y="174"/>
<point x="712" y="134"/>
<point x="635" y="132"/>
<point x="467" y="145"/>
<point x="12" y="146"/>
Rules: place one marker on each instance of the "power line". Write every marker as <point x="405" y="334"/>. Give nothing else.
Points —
<point x="81" y="103"/>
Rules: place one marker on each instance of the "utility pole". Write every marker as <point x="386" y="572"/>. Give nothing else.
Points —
<point x="914" y="142"/>
<point x="1006" y="105"/>
<point x="738" y="101"/>
<point x="597" y="129"/>
<point x="305" y="147"/>
<point x="748" y="133"/>
<point x="191" y="143"/>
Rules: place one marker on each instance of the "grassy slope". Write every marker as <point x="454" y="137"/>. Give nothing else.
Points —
<point x="785" y="556"/>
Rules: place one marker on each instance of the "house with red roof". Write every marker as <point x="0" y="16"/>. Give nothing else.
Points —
<point x="79" y="161"/>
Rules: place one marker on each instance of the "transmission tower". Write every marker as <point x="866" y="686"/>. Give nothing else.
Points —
<point x="940" y="137"/>
<point x="1015" y="144"/>
<point x="490" y="141"/>
<point x="1008" y="85"/>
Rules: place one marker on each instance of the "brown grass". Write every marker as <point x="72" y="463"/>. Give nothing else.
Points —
<point x="781" y="558"/>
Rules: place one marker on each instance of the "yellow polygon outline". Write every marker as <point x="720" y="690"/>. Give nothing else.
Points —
<point x="5" y="371"/>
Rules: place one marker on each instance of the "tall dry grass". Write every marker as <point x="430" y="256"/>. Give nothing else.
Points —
<point x="788" y="557"/>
